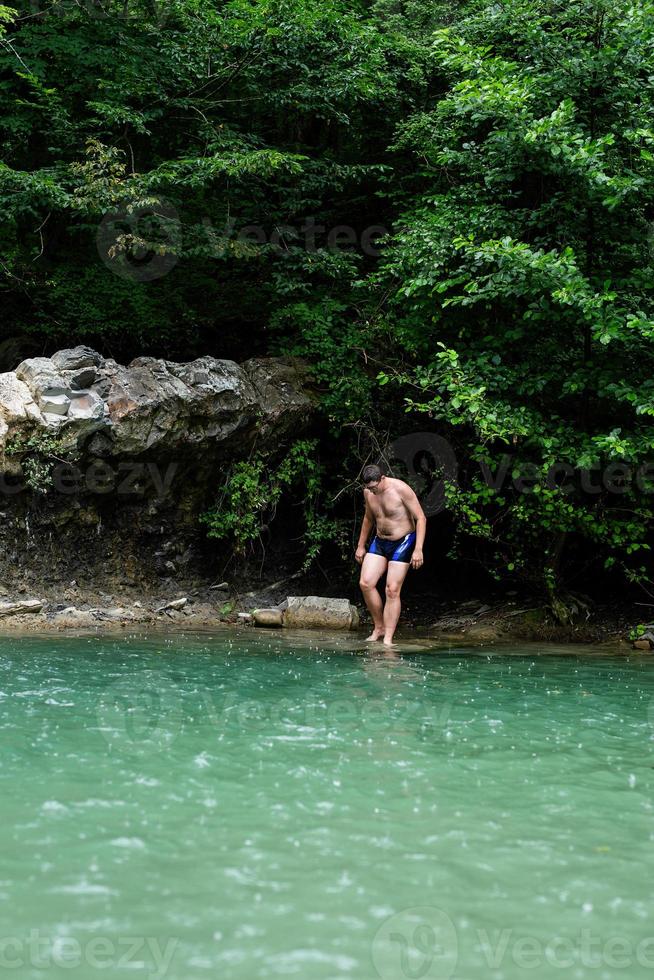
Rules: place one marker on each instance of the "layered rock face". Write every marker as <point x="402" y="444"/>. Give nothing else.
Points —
<point x="104" y="408"/>
<point x="167" y="431"/>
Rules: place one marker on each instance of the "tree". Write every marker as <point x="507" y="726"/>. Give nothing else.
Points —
<point x="523" y="271"/>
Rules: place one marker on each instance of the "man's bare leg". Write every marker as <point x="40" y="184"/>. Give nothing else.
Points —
<point x="394" y="579"/>
<point x="372" y="569"/>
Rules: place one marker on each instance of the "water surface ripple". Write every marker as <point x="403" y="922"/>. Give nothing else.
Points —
<point x="240" y="806"/>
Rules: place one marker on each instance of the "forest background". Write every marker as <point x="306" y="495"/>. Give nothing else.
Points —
<point x="445" y="208"/>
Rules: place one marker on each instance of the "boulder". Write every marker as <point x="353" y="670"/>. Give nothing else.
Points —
<point x="154" y="404"/>
<point x="317" y="612"/>
<point x="268" y="617"/>
<point x="72" y="616"/>
<point x="23" y="606"/>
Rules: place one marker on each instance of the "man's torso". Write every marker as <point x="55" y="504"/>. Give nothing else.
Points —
<point x="391" y="515"/>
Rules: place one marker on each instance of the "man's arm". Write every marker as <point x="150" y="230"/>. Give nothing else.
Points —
<point x="417" y="513"/>
<point x="366" y="528"/>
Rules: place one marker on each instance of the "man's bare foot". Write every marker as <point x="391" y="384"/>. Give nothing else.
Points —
<point x="388" y="641"/>
<point x="376" y="634"/>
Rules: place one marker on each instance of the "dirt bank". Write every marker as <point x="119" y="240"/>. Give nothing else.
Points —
<point x="195" y="603"/>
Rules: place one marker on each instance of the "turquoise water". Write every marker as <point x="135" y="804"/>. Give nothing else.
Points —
<point x="250" y="806"/>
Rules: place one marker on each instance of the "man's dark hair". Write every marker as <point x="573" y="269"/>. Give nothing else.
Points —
<point x="371" y="474"/>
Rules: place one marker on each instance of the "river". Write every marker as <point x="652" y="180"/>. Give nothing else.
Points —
<point x="255" y="805"/>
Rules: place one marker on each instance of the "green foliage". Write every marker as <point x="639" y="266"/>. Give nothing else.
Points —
<point x="38" y="454"/>
<point x="523" y="271"/>
<point x="249" y="498"/>
<point x="326" y="333"/>
<point x="508" y="148"/>
<point x="256" y="115"/>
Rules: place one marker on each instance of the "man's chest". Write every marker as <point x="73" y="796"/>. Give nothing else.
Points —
<point x="388" y="505"/>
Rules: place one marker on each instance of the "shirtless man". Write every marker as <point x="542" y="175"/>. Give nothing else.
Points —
<point x="400" y="524"/>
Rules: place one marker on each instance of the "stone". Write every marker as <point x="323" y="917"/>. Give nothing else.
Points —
<point x="72" y="616"/>
<point x="220" y="587"/>
<point x="86" y="405"/>
<point x="16" y="402"/>
<point x="318" y="612"/>
<point x="483" y="632"/>
<point x="283" y="390"/>
<point x="48" y="388"/>
<point x="80" y="380"/>
<point x="53" y="404"/>
<point x="642" y="645"/>
<point x="74" y="358"/>
<point x="268" y="617"/>
<point x="245" y="617"/>
<point x="114" y="613"/>
<point x="53" y="421"/>
<point x="173" y="604"/>
<point x="40" y="375"/>
<point x="155" y="405"/>
<point x="18" y="608"/>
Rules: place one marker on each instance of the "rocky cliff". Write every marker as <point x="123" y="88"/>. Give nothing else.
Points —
<point x="104" y="468"/>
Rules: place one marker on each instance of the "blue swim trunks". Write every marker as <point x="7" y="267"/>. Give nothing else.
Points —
<point x="400" y="550"/>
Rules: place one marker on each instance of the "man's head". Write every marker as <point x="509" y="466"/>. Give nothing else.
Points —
<point x="372" y="478"/>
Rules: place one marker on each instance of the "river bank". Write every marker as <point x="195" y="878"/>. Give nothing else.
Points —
<point x="196" y="604"/>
